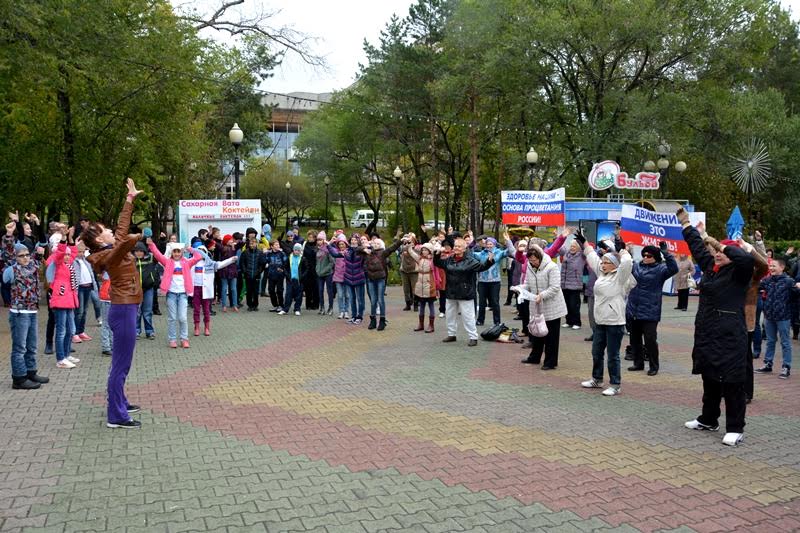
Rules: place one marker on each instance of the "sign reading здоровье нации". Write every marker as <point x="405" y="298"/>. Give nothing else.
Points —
<point x="533" y="208"/>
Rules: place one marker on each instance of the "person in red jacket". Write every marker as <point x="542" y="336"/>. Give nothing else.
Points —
<point x="64" y="300"/>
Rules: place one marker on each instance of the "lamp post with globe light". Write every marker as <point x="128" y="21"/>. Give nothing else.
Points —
<point x="327" y="182"/>
<point x="531" y="157"/>
<point x="288" y="188"/>
<point x="236" y="136"/>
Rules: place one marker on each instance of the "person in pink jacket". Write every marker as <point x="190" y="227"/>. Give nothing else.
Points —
<point x="177" y="284"/>
<point x="64" y="300"/>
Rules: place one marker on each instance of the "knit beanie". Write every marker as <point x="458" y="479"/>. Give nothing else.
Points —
<point x="148" y="233"/>
<point x="729" y="242"/>
<point x="297" y="247"/>
<point x="613" y="257"/>
<point x="226" y="239"/>
<point x="492" y="240"/>
<point x="19" y="247"/>
<point x="654" y="251"/>
<point x="321" y="236"/>
<point x="140" y="247"/>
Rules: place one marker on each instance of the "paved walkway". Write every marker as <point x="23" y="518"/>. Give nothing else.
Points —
<point x="308" y="424"/>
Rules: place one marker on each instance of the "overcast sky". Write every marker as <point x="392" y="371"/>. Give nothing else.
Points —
<point x="340" y="27"/>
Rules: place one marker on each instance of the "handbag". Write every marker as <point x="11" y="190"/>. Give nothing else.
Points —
<point x="537" y="326"/>
<point x="690" y="281"/>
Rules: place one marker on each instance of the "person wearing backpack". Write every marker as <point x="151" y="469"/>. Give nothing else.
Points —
<point x="150" y="274"/>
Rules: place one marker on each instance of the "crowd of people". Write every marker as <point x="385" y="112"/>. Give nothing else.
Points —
<point x="444" y="274"/>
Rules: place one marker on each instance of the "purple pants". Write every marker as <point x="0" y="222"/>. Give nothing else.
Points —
<point x="199" y="303"/>
<point x="122" y="319"/>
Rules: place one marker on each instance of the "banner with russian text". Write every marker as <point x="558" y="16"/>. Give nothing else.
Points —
<point x="533" y="208"/>
<point x="641" y="227"/>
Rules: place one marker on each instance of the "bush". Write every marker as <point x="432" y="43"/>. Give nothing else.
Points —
<point x="780" y="247"/>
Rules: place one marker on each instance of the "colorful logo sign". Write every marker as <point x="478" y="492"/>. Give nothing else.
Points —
<point x="608" y="173"/>
<point x="533" y="208"/>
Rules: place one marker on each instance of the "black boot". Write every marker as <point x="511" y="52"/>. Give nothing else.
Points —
<point x="372" y="322"/>
<point x="36" y="378"/>
<point x="382" y="324"/>
<point x="23" y="383"/>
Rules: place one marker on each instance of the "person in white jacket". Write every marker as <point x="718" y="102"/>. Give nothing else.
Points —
<point x="543" y="279"/>
<point x="203" y="279"/>
<point x="613" y="283"/>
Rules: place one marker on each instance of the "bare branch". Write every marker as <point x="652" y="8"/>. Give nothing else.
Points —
<point x="237" y="23"/>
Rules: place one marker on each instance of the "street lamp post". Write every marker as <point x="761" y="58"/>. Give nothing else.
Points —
<point x="236" y="135"/>
<point x="398" y="176"/>
<point x="531" y="157"/>
<point x="327" y="182"/>
<point x="663" y="166"/>
<point x="288" y="188"/>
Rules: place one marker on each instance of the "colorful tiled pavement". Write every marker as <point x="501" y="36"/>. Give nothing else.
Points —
<point x="308" y="424"/>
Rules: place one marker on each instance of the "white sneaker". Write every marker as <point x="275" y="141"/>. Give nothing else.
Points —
<point x="576" y="327"/>
<point x="613" y="390"/>
<point x="694" y="424"/>
<point x="73" y="359"/>
<point x="441" y="315"/>
<point x="65" y="363"/>
<point x="732" y="439"/>
<point x="565" y="325"/>
<point x="340" y="316"/>
<point x="591" y="384"/>
<point x="297" y="313"/>
<point x="281" y="312"/>
<point x="346" y="316"/>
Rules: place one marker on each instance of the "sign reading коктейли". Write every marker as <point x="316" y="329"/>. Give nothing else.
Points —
<point x="533" y="208"/>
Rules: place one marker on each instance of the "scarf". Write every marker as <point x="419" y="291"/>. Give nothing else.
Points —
<point x="73" y="276"/>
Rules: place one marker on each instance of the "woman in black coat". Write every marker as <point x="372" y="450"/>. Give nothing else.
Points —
<point x="720" y="333"/>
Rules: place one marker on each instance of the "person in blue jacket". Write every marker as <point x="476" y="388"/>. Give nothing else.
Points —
<point x="489" y="281"/>
<point x="644" y="303"/>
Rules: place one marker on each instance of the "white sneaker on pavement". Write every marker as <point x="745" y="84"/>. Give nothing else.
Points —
<point x="65" y="363"/>
<point x="694" y="424"/>
<point x="73" y="359"/>
<point x="613" y="390"/>
<point x="732" y="439"/>
<point x="591" y="384"/>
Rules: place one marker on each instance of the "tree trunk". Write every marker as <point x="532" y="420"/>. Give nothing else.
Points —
<point x="344" y="214"/>
<point x="473" y="163"/>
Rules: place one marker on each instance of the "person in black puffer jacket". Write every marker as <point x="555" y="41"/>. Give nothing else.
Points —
<point x="644" y="303"/>
<point x="462" y="273"/>
<point x="720" y="332"/>
<point x="251" y="264"/>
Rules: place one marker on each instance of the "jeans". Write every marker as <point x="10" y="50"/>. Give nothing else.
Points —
<point x="572" y="297"/>
<point x="325" y="283"/>
<point x="607" y="339"/>
<point x="489" y="291"/>
<point x="294" y="293"/>
<point x="84" y="299"/>
<point x="98" y="306"/>
<point x="65" y="329"/>
<point x="228" y="293"/>
<point x="106" y="336"/>
<point x="145" y="313"/>
<point x="23" y="343"/>
<point x="777" y="328"/>
<point x="376" y="288"/>
<point x="357" y="301"/>
<point x="122" y="319"/>
<point x="176" y="314"/>
<point x="342" y="297"/>
<point x="757" y="331"/>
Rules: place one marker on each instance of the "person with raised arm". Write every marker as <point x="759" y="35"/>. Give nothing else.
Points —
<point x="111" y="252"/>
<point x="720" y="332"/>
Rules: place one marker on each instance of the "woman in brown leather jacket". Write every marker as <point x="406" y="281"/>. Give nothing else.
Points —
<point x="111" y="252"/>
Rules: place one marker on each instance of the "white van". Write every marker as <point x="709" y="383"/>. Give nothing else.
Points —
<point x="362" y="217"/>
